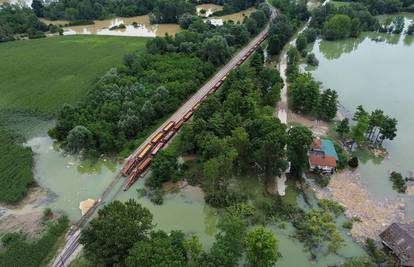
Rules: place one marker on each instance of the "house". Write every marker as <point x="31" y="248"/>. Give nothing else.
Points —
<point x="399" y="238"/>
<point x="322" y="156"/>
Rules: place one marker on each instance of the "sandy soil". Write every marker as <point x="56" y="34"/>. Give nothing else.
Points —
<point x="319" y="128"/>
<point x="24" y="216"/>
<point x="346" y="189"/>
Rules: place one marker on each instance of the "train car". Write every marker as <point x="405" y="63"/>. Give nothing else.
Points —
<point x="168" y="136"/>
<point x="178" y="125"/>
<point x="128" y="167"/>
<point x="144" y="151"/>
<point x="218" y="84"/>
<point x="169" y="126"/>
<point x="142" y="166"/>
<point x="196" y="106"/>
<point x="223" y="79"/>
<point x="158" y="147"/>
<point x="188" y="115"/>
<point x="157" y="137"/>
<point x="204" y="98"/>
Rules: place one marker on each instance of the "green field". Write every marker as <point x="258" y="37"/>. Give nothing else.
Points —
<point x="43" y="74"/>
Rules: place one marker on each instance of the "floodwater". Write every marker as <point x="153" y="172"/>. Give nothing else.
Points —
<point x="236" y="17"/>
<point x="375" y="70"/>
<point x="209" y="8"/>
<point x="135" y="26"/>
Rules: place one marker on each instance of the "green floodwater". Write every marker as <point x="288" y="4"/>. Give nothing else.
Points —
<point x="375" y="74"/>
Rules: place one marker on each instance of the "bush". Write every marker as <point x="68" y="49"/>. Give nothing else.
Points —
<point x="20" y="253"/>
<point x="347" y="225"/>
<point x="47" y="214"/>
<point x="398" y="181"/>
<point x="157" y="197"/>
<point x="312" y="60"/>
<point x="323" y="180"/>
<point x="353" y="162"/>
<point x="331" y="206"/>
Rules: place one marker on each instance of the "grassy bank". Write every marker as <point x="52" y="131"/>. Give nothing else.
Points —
<point x="20" y="252"/>
<point x="15" y="167"/>
<point x="43" y="74"/>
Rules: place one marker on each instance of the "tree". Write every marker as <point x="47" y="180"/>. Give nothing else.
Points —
<point x="158" y="251"/>
<point x="37" y="6"/>
<point x="353" y="162"/>
<point x="299" y="142"/>
<point x="327" y="105"/>
<point x="337" y="27"/>
<point x="110" y="236"/>
<point x="358" y="131"/>
<point x="261" y="248"/>
<point x="376" y="120"/>
<point x="304" y="93"/>
<point x="388" y="129"/>
<point x="251" y="25"/>
<point x="275" y="45"/>
<point x="186" y="20"/>
<point x="164" y="168"/>
<point x="79" y="138"/>
<point x="301" y="42"/>
<point x="215" y="50"/>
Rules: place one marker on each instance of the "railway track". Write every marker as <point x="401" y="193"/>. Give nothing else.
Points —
<point x="177" y="119"/>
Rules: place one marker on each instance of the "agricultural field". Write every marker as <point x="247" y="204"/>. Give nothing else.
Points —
<point x="43" y="74"/>
<point x="15" y="167"/>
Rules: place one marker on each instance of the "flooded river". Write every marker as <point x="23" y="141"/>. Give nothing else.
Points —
<point x="375" y="74"/>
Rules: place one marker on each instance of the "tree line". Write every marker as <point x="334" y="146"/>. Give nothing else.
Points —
<point x="19" y="21"/>
<point x="386" y="6"/>
<point x="123" y="234"/>
<point x="150" y="84"/>
<point x="374" y="127"/>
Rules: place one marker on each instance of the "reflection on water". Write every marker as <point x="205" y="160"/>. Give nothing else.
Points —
<point x="135" y="26"/>
<point x="236" y="17"/>
<point x="209" y="8"/>
<point x="60" y="174"/>
<point x="378" y="75"/>
<point x="185" y="210"/>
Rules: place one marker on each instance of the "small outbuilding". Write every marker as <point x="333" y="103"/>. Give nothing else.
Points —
<point x="399" y="238"/>
<point x="322" y="156"/>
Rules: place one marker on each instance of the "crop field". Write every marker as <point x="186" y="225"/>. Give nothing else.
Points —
<point x="43" y="74"/>
<point x="15" y="167"/>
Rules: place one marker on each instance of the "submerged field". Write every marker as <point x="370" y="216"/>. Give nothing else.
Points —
<point x="43" y="74"/>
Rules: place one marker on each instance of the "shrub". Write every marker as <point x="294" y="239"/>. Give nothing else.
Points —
<point x="353" y="162"/>
<point x="323" y="180"/>
<point x="312" y="60"/>
<point x="332" y="206"/>
<point x="398" y="181"/>
<point x="347" y="225"/>
<point x="47" y="214"/>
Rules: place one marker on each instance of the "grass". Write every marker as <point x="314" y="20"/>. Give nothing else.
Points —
<point x="20" y="252"/>
<point x="43" y="74"/>
<point x="16" y="164"/>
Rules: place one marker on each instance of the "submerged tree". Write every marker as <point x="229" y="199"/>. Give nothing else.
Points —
<point x="262" y="249"/>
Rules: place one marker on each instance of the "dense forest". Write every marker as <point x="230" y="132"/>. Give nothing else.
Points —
<point x="386" y="6"/>
<point x="151" y="84"/>
<point x="16" y="20"/>
<point x="16" y="176"/>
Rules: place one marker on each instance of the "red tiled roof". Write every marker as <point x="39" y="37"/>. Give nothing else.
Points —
<point x="316" y="144"/>
<point x="320" y="160"/>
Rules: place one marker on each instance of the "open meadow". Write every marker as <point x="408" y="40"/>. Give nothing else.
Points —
<point x="43" y="74"/>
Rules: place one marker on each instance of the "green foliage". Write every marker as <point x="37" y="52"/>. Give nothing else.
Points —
<point x="158" y="251"/>
<point x="337" y="22"/>
<point x="331" y="206"/>
<point x="343" y="128"/>
<point x="110" y="236"/>
<point x="358" y="262"/>
<point x="312" y="60"/>
<point x="261" y="248"/>
<point x="337" y="27"/>
<point x="316" y="228"/>
<point x="47" y="214"/>
<point x="16" y="20"/>
<point x="149" y="85"/>
<point x="47" y="93"/>
<point x="398" y="182"/>
<point x="299" y="141"/>
<point x="21" y="253"/>
<point x="323" y="180"/>
<point x="327" y="105"/>
<point x="301" y="42"/>
<point x="16" y="164"/>
<point x="79" y="138"/>
<point x="304" y="93"/>
<point x="165" y="11"/>
<point x="347" y="225"/>
<point x="280" y="32"/>
<point x="353" y="162"/>
<point x="164" y="168"/>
